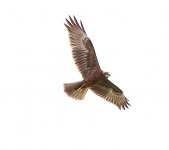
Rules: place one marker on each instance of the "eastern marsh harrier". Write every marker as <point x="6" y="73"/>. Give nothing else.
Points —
<point x="93" y="77"/>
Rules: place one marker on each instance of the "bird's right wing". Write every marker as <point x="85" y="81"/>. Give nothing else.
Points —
<point x="109" y="91"/>
<point x="82" y="48"/>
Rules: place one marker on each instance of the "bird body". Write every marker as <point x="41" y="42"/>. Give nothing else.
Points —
<point x="93" y="77"/>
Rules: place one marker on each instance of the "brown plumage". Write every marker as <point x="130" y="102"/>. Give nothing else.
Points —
<point x="93" y="77"/>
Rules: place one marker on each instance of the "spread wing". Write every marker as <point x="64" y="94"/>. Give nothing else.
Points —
<point x="82" y="48"/>
<point x="111" y="93"/>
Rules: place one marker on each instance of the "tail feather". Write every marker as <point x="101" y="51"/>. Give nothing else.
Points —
<point x="75" y="90"/>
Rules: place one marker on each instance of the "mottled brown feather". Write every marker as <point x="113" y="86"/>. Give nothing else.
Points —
<point x="82" y="48"/>
<point x="111" y="93"/>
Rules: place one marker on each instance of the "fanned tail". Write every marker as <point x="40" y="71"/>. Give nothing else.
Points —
<point x="75" y="90"/>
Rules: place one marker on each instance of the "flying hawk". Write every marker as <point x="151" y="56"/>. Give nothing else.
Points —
<point x="93" y="77"/>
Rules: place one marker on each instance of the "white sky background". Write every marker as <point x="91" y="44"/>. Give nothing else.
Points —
<point x="131" y="39"/>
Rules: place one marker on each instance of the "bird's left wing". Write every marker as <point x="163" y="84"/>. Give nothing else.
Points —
<point x="82" y="48"/>
<point x="109" y="91"/>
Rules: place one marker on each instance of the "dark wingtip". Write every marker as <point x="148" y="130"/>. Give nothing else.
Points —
<point x="82" y="26"/>
<point x="72" y="22"/>
<point x="125" y="105"/>
<point x="69" y="16"/>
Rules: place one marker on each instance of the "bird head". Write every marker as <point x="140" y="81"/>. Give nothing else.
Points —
<point x="107" y="74"/>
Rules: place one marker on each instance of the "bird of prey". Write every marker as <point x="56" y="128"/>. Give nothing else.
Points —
<point x="93" y="77"/>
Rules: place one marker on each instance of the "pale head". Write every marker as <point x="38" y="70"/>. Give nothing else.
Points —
<point x="107" y="74"/>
